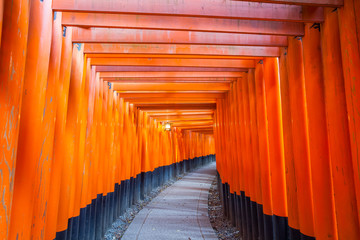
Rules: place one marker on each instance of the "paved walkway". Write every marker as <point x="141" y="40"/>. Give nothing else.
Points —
<point x="179" y="212"/>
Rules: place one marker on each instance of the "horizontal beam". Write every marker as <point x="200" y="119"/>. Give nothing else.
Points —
<point x="198" y="8"/>
<point x="105" y="68"/>
<point x="197" y="107"/>
<point x="181" y="23"/>
<point x="170" y="74"/>
<point x="204" y="131"/>
<point x="116" y="35"/>
<point x="156" y="113"/>
<point x="170" y="87"/>
<point x="145" y="102"/>
<point x="194" y="123"/>
<point x="185" y="120"/>
<point x="161" y="92"/>
<point x="182" y="56"/>
<point x="170" y="95"/>
<point x="178" y="80"/>
<point x="195" y="128"/>
<point x="181" y="49"/>
<point x="320" y="3"/>
<point x="173" y="62"/>
<point x="180" y="117"/>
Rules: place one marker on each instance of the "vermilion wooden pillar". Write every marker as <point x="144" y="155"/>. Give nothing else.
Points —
<point x="357" y="19"/>
<point x="52" y="100"/>
<point x="338" y="130"/>
<point x="264" y="156"/>
<point x="323" y="200"/>
<point x="253" y="224"/>
<point x="235" y="184"/>
<point x="1" y="16"/>
<point x="300" y="135"/>
<point x="276" y="146"/>
<point x="89" y="200"/>
<point x="94" y="158"/>
<point x="31" y="144"/>
<point x="291" y="184"/>
<point x="237" y="132"/>
<point x="84" y="170"/>
<point x="350" y="51"/>
<point x="12" y="67"/>
<point x="256" y="154"/>
<point x="219" y="146"/>
<point x="68" y="179"/>
<point x="244" y="161"/>
<point x="73" y="132"/>
<point x="226" y="173"/>
<point x="48" y="166"/>
<point x="96" y="184"/>
<point x="58" y="164"/>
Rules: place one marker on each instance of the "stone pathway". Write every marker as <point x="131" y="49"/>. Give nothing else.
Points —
<point x="179" y="212"/>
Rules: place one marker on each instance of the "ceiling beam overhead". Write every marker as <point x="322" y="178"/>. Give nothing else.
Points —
<point x="171" y="95"/>
<point x="155" y="113"/>
<point x="171" y="62"/>
<point x="196" y="128"/>
<point x="139" y="101"/>
<point x="208" y="123"/>
<point x="175" y="80"/>
<point x="146" y="102"/>
<point x="137" y="36"/>
<point x="200" y="118"/>
<point x="180" y="117"/>
<point x="182" y="49"/>
<point x="106" y="68"/>
<point x="203" y="131"/>
<point x="178" y="56"/>
<point x="321" y="3"/>
<point x="170" y="74"/>
<point x="198" y="8"/>
<point x="197" y="107"/>
<point x="170" y="87"/>
<point x="198" y="24"/>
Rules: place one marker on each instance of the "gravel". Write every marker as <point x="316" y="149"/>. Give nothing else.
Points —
<point x="220" y="224"/>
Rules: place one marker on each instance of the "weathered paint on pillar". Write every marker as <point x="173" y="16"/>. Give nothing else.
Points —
<point x="12" y="68"/>
<point x="30" y="146"/>
<point x="60" y="131"/>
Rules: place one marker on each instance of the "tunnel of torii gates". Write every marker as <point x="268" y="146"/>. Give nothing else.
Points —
<point x="102" y="101"/>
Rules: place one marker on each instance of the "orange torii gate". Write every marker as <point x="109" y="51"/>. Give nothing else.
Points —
<point x="87" y="88"/>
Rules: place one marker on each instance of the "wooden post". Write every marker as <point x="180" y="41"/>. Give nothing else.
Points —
<point x="30" y="161"/>
<point x="264" y="154"/>
<point x="299" y="124"/>
<point x="350" y="51"/>
<point x="323" y="200"/>
<point x="276" y="146"/>
<point x="12" y="68"/>
<point x="291" y="187"/>
<point x="338" y="130"/>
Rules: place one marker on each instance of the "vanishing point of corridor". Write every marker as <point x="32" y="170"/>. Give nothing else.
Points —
<point x="102" y="102"/>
